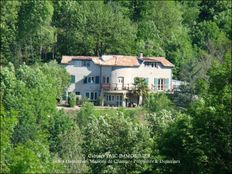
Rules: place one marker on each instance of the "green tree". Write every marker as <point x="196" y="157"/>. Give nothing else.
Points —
<point x="32" y="93"/>
<point x="8" y="122"/>
<point x="71" y="150"/>
<point x="161" y="33"/>
<point x="157" y="102"/>
<point x="35" y="33"/>
<point x="93" y="29"/>
<point x="141" y="89"/>
<point x="85" y="114"/>
<point x="72" y="99"/>
<point x="116" y="134"/>
<point x="8" y="29"/>
<point x="32" y="157"/>
<point x="59" y="125"/>
<point x="201" y="139"/>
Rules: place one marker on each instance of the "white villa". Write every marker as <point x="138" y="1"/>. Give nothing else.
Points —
<point x="112" y="76"/>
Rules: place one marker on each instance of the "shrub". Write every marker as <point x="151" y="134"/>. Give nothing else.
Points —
<point x="71" y="99"/>
<point x="85" y="113"/>
<point x="157" y="102"/>
<point x="83" y="100"/>
<point x="77" y="100"/>
<point x="100" y="101"/>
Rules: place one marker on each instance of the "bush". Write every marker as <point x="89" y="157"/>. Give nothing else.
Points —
<point x="77" y="100"/>
<point x="100" y="101"/>
<point x="83" y="100"/>
<point x="157" y="102"/>
<point x="71" y="99"/>
<point x="85" y="113"/>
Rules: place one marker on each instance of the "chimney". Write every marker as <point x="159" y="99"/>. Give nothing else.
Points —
<point x="141" y="55"/>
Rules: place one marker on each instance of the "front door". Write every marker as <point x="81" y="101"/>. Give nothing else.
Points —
<point x="120" y="82"/>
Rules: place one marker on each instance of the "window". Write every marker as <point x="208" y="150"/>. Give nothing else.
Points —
<point x="146" y="64"/>
<point x="161" y="84"/>
<point x="151" y="64"/>
<point x="78" y="93"/>
<point x="72" y="79"/>
<point x="112" y="97"/>
<point x="109" y="97"/>
<point x="106" y="79"/>
<point x="87" y="94"/>
<point x="95" y="97"/>
<point x="91" y="79"/>
<point x="92" y="95"/>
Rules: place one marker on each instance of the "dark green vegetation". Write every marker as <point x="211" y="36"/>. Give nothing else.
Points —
<point x="192" y="126"/>
<point x="35" y="137"/>
<point x="191" y="34"/>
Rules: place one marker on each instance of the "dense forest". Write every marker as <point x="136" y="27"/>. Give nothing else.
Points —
<point x="187" y="132"/>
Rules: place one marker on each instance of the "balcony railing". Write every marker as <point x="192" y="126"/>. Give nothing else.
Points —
<point x="128" y="86"/>
<point x="117" y="86"/>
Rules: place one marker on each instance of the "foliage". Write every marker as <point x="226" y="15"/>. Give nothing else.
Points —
<point x="100" y="101"/>
<point x="193" y="35"/>
<point x="8" y="30"/>
<point x="180" y="30"/>
<point x="183" y="98"/>
<point x="85" y="114"/>
<point x="71" y="150"/>
<point x="201" y="139"/>
<point x="116" y="134"/>
<point x="156" y="102"/>
<point x="59" y="125"/>
<point x="94" y="29"/>
<point x="141" y="88"/>
<point x="30" y="93"/>
<point x="31" y="157"/>
<point x="71" y="99"/>
<point x="8" y="122"/>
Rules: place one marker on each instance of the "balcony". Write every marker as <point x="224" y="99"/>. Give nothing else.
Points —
<point x="117" y="86"/>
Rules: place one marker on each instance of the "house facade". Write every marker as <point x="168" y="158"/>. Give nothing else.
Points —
<point x="112" y="76"/>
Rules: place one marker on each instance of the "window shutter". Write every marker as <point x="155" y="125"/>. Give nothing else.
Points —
<point x="166" y="83"/>
<point x="97" y="79"/>
<point x="155" y="83"/>
<point x="146" y="81"/>
<point x="72" y="79"/>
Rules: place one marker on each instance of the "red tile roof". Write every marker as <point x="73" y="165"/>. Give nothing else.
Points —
<point x="117" y="60"/>
<point x="67" y="59"/>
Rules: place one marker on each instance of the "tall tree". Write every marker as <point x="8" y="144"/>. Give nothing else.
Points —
<point x="8" y="29"/>
<point x="141" y="89"/>
<point x="93" y="28"/>
<point x="35" y="33"/>
<point x="161" y="33"/>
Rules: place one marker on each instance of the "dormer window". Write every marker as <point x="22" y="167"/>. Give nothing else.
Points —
<point x="151" y="64"/>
